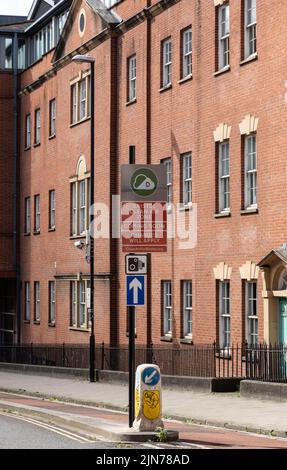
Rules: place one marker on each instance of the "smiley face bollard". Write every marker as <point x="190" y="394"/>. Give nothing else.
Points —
<point x="148" y="398"/>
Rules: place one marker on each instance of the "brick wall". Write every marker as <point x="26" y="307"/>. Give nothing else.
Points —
<point x="160" y="125"/>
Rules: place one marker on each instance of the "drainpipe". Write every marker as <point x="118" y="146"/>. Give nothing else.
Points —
<point x="15" y="188"/>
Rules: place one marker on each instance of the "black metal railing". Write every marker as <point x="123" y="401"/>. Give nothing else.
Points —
<point x="267" y="363"/>
<point x="257" y="362"/>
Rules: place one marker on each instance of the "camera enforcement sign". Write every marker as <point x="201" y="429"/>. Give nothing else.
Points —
<point x="136" y="264"/>
<point x="143" y="212"/>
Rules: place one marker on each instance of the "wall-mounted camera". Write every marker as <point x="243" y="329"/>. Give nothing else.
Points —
<point x="79" y="244"/>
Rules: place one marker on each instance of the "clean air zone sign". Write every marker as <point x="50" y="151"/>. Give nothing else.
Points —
<point x="143" y="218"/>
<point x="144" y="182"/>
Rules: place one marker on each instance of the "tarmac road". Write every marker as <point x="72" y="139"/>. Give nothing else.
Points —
<point x="19" y="433"/>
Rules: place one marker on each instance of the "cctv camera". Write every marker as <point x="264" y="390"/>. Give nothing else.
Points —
<point x="79" y="244"/>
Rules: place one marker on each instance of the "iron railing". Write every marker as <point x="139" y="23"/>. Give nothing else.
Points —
<point x="257" y="362"/>
<point x="267" y="363"/>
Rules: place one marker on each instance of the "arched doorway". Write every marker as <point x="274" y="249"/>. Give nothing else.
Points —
<point x="274" y="271"/>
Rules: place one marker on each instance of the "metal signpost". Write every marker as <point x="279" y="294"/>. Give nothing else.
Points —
<point x="144" y="230"/>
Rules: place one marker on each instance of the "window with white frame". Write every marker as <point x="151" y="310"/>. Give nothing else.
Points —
<point x="52" y="303"/>
<point x="27" y="310"/>
<point x="27" y="215"/>
<point x="52" y="126"/>
<point x="132" y="78"/>
<point x="224" y="314"/>
<point x="8" y="53"/>
<point x="83" y="99"/>
<point x="187" y="308"/>
<point x="251" y="312"/>
<point x="224" y="177"/>
<point x="186" y="162"/>
<point x="80" y="98"/>
<point x="37" y="126"/>
<point x="167" y="308"/>
<point x="223" y="36"/>
<point x="52" y="209"/>
<point x="37" y="310"/>
<point x="28" y="131"/>
<point x="79" y="306"/>
<point x="168" y="166"/>
<point x="38" y="45"/>
<point x="250" y="19"/>
<point x="47" y="37"/>
<point x="80" y="206"/>
<point x="186" y="38"/>
<point x="74" y="114"/>
<point x="21" y="54"/>
<point x="250" y="171"/>
<point x="61" y="22"/>
<point x="166" y="62"/>
<point x="37" y="213"/>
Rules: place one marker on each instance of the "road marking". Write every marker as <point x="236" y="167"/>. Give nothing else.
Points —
<point x="49" y="427"/>
<point x="183" y="445"/>
<point x="151" y="446"/>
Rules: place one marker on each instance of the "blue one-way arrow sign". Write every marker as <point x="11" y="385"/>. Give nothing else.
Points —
<point x="135" y="290"/>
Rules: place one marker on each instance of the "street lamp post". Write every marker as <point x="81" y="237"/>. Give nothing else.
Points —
<point x="86" y="59"/>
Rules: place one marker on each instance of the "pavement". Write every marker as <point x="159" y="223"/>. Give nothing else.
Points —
<point x="224" y="410"/>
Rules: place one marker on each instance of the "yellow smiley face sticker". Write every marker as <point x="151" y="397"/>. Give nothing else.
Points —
<point x="151" y="404"/>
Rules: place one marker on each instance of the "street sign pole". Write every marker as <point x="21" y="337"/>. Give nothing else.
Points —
<point x="145" y="186"/>
<point x="132" y="353"/>
<point x="131" y="313"/>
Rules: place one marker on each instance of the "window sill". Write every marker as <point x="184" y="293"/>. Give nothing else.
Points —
<point x="221" y="215"/>
<point x="251" y="58"/>
<point x="185" y="207"/>
<point x="165" y="88"/>
<point x="27" y="148"/>
<point x="27" y="322"/>
<point x="51" y="137"/>
<point x="80" y="122"/>
<point x="74" y="328"/>
<point x="52" y="229"/>
<point x="27" y="234"/>
<point x="252" y="210"/>
<point x="52" y="325"/>
<point x="36" y="232"/>
<point x="186" y="341"/>
<point x="129" y="103"/>
<point x="167" y="338"/>
<point x="77" y="237"/>
<point x="37" y="144"/>
<point x="221" y="71"/>
<point x="36" y="322"/>
<point x="185" y="79"/>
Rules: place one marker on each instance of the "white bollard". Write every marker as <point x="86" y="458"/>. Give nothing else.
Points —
<point x="148" y="398"/>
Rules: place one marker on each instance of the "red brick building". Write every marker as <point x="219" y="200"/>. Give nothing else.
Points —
<point x="199" y="86"/>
